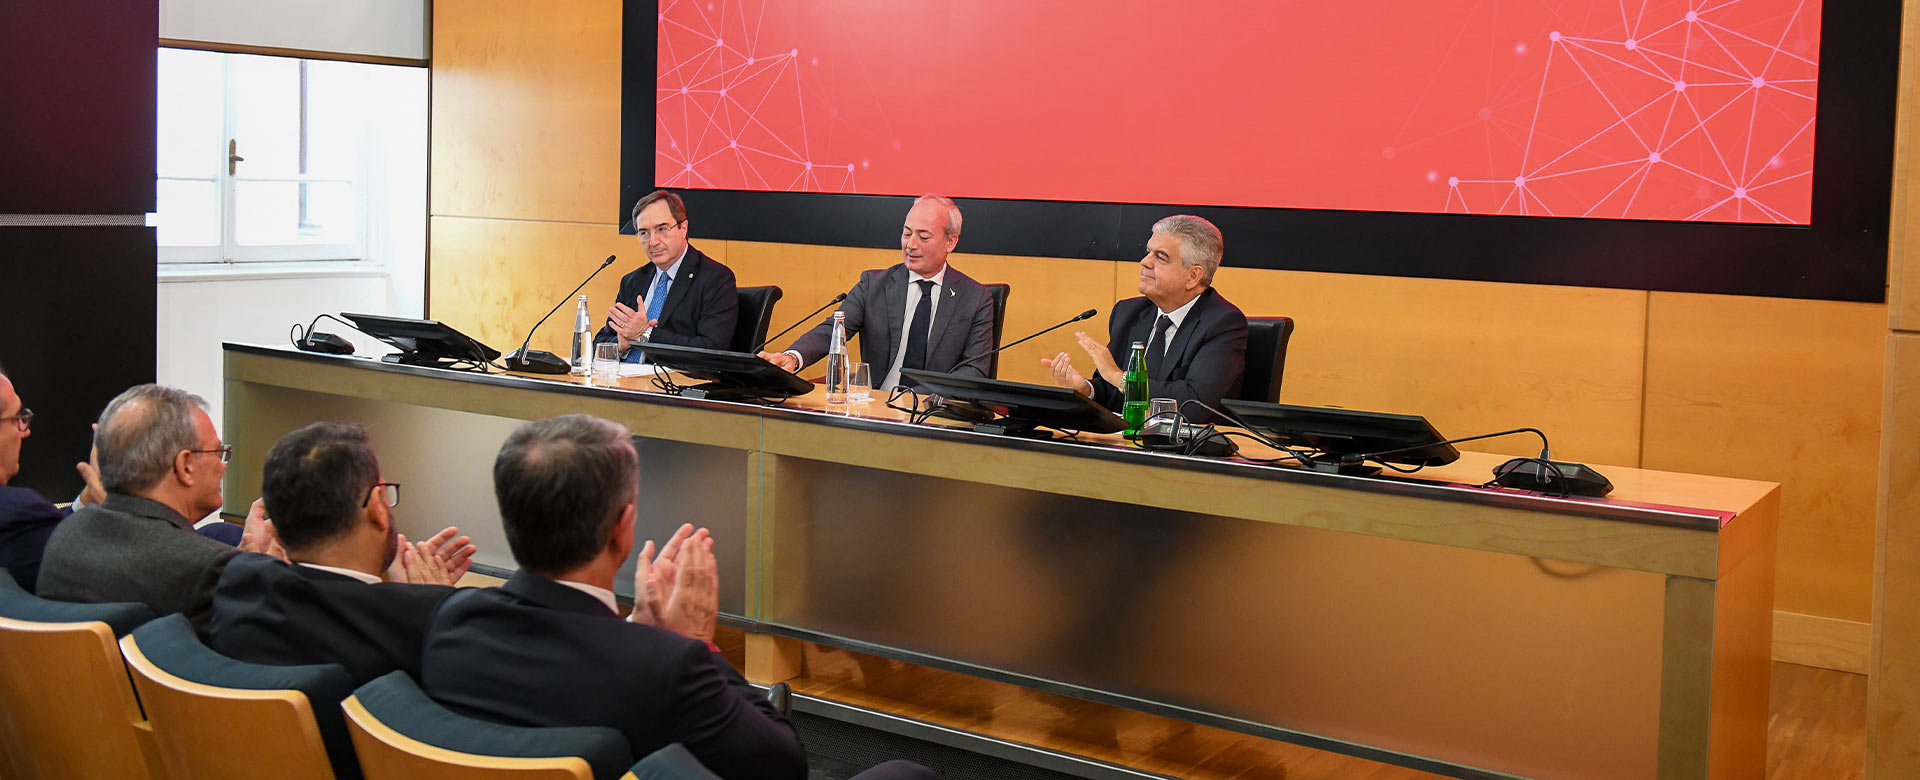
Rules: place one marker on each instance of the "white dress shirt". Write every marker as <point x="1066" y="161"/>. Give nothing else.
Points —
<point x="1177" y="316"/>
<point x="900" y="350"/>
<point x="354" y="573"/>
<point x="605" y="596"/>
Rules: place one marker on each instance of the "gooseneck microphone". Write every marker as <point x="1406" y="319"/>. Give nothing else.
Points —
<point x="1085" y="315"/>
<point x="541" y="361"/>
<point x="809" y="318"/>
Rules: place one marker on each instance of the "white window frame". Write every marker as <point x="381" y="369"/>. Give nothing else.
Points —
<point x="230" y="252"/>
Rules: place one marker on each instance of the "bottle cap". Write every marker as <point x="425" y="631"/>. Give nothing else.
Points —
<point x="1139" y="345"/>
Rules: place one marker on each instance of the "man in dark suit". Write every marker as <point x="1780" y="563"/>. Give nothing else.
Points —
<point x="161" y="462"/>
<point x="26" y="517"/>
<point x="548" y="648"/>
<point x="327" y="603"/>
<point x="681" y="297"/>
<point x="1196" y="341"/>
<point x="921" y="313"/>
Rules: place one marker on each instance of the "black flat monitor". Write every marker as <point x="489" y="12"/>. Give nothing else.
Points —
<point x="423" y="342"/>
<point x="1021" y="407"/>
<point x="731" y="376"/>
<point x="1343" y="438"/>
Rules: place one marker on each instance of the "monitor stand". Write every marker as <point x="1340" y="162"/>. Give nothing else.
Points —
<point x="1013" y="426"/>
<point x="418" y="359"/>
<point x="715" y="391"/>
<point x="1333" y="464"/>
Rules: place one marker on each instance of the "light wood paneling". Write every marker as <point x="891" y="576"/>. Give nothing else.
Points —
<point x="1893" y="738"/>
<point x="1783" y="391"/>
<point x="492" y="279"/>
<point x="1045" y="291"/>
<point x="808" y="277"/>
<point x="1903" y="272"/>
<point x="1811" y="640"/>
<point x="526" y="110"/>
<point x="1472" y="357"/>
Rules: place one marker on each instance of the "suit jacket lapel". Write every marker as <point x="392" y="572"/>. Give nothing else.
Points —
<point x="893" y="294"/>
<point x="1183" y="338"/>
<point x="945" y="317"/>
<point x="683" y="283"/>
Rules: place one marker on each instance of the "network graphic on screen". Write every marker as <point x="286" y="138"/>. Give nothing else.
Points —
<point x="1658" y="110"/>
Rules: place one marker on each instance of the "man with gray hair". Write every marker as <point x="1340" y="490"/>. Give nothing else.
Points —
<point x="1196" y="341"/>
<point x="160" y="462"/>
<point x="920" y="313"/>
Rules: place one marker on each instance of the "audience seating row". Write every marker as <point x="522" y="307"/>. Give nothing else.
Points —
<point x="163" y="706"/>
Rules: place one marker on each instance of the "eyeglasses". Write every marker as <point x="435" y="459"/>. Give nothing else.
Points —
<point x="393" y="494"/>
<point x="24" y="419"/>
<point x="226" y="453"/>
<point x="647" y="234"/>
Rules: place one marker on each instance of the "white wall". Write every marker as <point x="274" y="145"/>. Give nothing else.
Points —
<point x="386" y="28"/>
<point x="198" y="314"/>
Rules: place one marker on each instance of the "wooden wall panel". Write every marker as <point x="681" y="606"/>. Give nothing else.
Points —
<point x="808" y="277"/>
<point x="1045" y="291"/>
<point x="526" y="109"/>
<point x="1893" y="689"/>
<point x="1471" y="357"/>
<point x="492" y="279"/>
<point x="1786" y="391"/>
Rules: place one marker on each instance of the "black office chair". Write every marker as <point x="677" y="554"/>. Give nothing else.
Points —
<point x="999" y="293"/>
<point x="756" y="312"/>
<point x="1266" y="358"/>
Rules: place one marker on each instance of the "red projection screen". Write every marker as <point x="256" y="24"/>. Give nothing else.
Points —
<point x="1309" y="126"/>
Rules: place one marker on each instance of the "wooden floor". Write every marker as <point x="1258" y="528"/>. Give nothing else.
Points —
<point x="1817" y="728"/>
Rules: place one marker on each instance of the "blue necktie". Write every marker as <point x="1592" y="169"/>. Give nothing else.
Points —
<point x="658" y="300"/>
<point x="655" y="302"/>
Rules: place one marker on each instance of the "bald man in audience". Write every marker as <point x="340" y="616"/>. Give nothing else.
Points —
<point x="161" y="462"/>
<point x="328" y="603"/>
<point x="27" y="519"/>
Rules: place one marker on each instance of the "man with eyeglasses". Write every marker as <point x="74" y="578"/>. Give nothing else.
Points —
<point x="681" y="297"/>
<point x="160" y="462"/>
<point x="327" y="602"/>
<point x="26" y="517"/>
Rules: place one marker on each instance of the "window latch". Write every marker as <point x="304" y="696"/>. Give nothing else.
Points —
<point x="233" y="146"/>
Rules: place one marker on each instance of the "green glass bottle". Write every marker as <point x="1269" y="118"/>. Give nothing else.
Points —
<point x="1135" y="408"/>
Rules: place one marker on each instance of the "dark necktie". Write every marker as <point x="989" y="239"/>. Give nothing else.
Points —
<point x="916" y="356"/>
<point x="1157" y="345"/>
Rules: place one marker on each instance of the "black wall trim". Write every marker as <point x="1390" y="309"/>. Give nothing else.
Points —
<point x="1841" y="256"/>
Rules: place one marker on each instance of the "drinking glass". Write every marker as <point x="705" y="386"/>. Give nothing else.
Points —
<point x="1162" y="409"/>
<point x="606" y="360"/>
<point x="860" y="387"/>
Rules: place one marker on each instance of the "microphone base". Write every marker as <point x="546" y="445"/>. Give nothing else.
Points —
<point x="537" y="361"/>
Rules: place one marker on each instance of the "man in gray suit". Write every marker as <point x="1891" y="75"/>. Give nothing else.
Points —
<point x="161" y="462"/>
<point x="921" y="313"/>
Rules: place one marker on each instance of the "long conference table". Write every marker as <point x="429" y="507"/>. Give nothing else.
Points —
<point x="1416" y="619"/>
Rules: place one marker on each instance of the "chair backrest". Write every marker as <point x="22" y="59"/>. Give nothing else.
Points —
<point x="673" y="762"/>
<point x="1266" y="358"/>
<point x="66" y="706"/>
<point x="216" y="718"/>
<point x="756" y="312"/>
<point x="400" y="734"/>
<point x="999" y="293"/>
